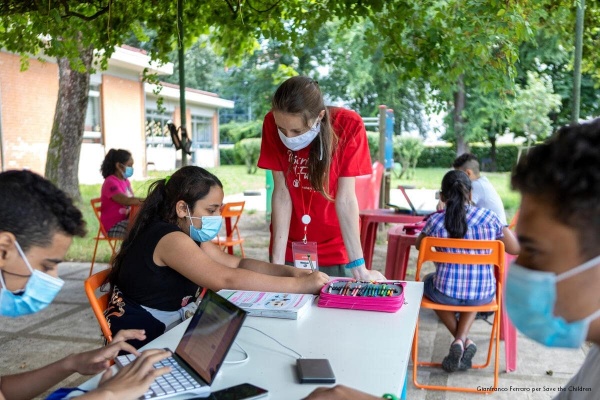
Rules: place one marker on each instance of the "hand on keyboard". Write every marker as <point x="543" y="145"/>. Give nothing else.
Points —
<point x="133" y="380"/>
<point x="177" y="381"/>
<point x="95" y="361"/>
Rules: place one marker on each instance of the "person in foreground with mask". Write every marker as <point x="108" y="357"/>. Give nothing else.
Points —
<point x="315" y="153"/>
<point x="552" y="290"/>
<point x="116" y="195"/>
<point x="167" y="257"/>
<point x="37" y="223"/>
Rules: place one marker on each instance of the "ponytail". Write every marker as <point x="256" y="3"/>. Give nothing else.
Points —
<point x="112" y="157"/>
<point x="456" y="189"/>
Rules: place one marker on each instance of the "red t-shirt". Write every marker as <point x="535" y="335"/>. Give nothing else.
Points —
<point x="350" y="158"/>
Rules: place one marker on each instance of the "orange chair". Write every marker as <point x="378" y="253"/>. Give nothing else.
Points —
<point x="231" y="211"/>
<point x="102" y="233"/>
<point x="513" y="222"/>
<point x="99" y="303"/>
<point x="368" y="188"/>
<point x="494" y="255"/>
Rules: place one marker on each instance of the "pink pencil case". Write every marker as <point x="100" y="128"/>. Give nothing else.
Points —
<point x="385" y="296"/>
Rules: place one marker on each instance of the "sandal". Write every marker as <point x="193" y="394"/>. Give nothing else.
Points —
<point x="468" y="354"/>
<point x="451" y="362"/>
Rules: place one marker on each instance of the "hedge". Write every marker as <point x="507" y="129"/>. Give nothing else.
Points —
<point x="443" y="156"/>
<point x="432" y="157"/>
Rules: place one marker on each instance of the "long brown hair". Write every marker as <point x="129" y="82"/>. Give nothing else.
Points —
<point x="302" y="96"/>
<point x="189" y="184"/>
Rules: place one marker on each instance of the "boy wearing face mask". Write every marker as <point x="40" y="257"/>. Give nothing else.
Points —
<point x="315" y="153"/>
<point x="37" y="223"/>
<point x="552" y="293"/>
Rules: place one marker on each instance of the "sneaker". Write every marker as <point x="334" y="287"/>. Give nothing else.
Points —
<point x="467" y="358"/>
<point x="451" y="362"/>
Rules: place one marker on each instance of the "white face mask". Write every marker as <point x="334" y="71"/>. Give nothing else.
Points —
<point x="301" y="141"/>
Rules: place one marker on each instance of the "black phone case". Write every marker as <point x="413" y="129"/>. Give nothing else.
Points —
<point x="314" y="370"/>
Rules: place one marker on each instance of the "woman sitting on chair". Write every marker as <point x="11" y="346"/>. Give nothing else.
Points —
<point x="168" y="256"/>
<point x="456" y="284"/>
<point x="116" y="195"/>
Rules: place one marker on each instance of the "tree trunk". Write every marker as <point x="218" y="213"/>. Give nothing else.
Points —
<point x="459" y="124"/>
<point x="493" y="155"/>
<point x="62" y="162"/>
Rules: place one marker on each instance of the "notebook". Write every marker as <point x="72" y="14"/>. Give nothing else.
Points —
<point x="201" y="351"/>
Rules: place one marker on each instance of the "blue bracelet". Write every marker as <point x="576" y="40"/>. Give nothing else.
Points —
<point x="356" y="263"/>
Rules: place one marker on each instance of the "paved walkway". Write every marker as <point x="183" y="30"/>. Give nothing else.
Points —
<point x="69" y="325"/>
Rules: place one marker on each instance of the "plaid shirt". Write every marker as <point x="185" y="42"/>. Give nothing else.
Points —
<point x="466" y="282"/>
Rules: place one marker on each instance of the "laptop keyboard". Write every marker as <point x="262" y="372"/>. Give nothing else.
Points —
<point x="177" y="381"/>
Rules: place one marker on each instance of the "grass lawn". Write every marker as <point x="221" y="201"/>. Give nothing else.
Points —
<point x="236" y="180"/>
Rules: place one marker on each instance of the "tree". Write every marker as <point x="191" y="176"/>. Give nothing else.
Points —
<point x="531" y="107"/>
<point x="71" y="29"/>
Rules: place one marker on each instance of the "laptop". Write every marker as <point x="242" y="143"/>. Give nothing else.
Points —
<point x="201" y="351"/>
<point x="413" y="210"/>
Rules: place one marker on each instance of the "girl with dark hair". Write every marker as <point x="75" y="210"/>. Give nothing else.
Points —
<point x="315" y="153"/>
<point x="116" y="195"/>
<point x="456" y="284"/>
<point x="167" y="257"/>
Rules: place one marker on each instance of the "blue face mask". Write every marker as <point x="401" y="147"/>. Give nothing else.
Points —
<point x="530" y="298"/>
<point x="211" y="226"/>
<point x="39" y="291"/>
<point x="128" y="172"/>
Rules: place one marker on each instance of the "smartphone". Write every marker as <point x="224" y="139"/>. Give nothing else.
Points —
<point x="245" y="391"/>
<point x="314" y="370"/>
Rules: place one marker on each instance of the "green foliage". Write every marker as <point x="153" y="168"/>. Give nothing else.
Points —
<point x="437" y="157"/>
<point x="233" y="132"/>
<point x="373" y="140"/>
<point x="443" y="156"/>
<point x="407" y="150"/>
<point x="249" y="150"/>
<point x="506" y="156"/>
<point x="532" y="105"/>
<point x="227" y="156"/>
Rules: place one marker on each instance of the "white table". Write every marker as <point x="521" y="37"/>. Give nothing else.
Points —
<point x="367" y="350"/>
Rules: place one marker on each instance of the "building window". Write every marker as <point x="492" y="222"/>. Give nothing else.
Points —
<point x="92" y="132"/>
<point x="201" y="132"/>
<point x="157" y="132"/>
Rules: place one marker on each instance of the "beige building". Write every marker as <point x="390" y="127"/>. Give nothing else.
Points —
<point x="122" y="113"/>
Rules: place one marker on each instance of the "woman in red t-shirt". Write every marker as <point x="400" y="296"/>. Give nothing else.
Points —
<point x="315" y="153"/>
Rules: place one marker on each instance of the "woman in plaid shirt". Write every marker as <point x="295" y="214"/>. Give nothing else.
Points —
<point x="456" y="284"/>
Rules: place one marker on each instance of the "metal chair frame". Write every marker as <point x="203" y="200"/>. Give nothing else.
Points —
<point x="494" y="256"/>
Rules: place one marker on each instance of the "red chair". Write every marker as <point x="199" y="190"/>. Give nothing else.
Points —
<point x="368" y="187"/>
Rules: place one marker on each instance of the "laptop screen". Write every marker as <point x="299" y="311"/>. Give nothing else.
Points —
<point x="210" y="334"/>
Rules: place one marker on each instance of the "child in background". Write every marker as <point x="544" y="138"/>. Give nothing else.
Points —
<point x="456" y="284"/>
<point x="116" y="195"/>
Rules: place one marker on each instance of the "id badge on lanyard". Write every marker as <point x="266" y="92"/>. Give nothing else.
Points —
<point x="305" y="255"/>
<point x="304" y="252"/>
